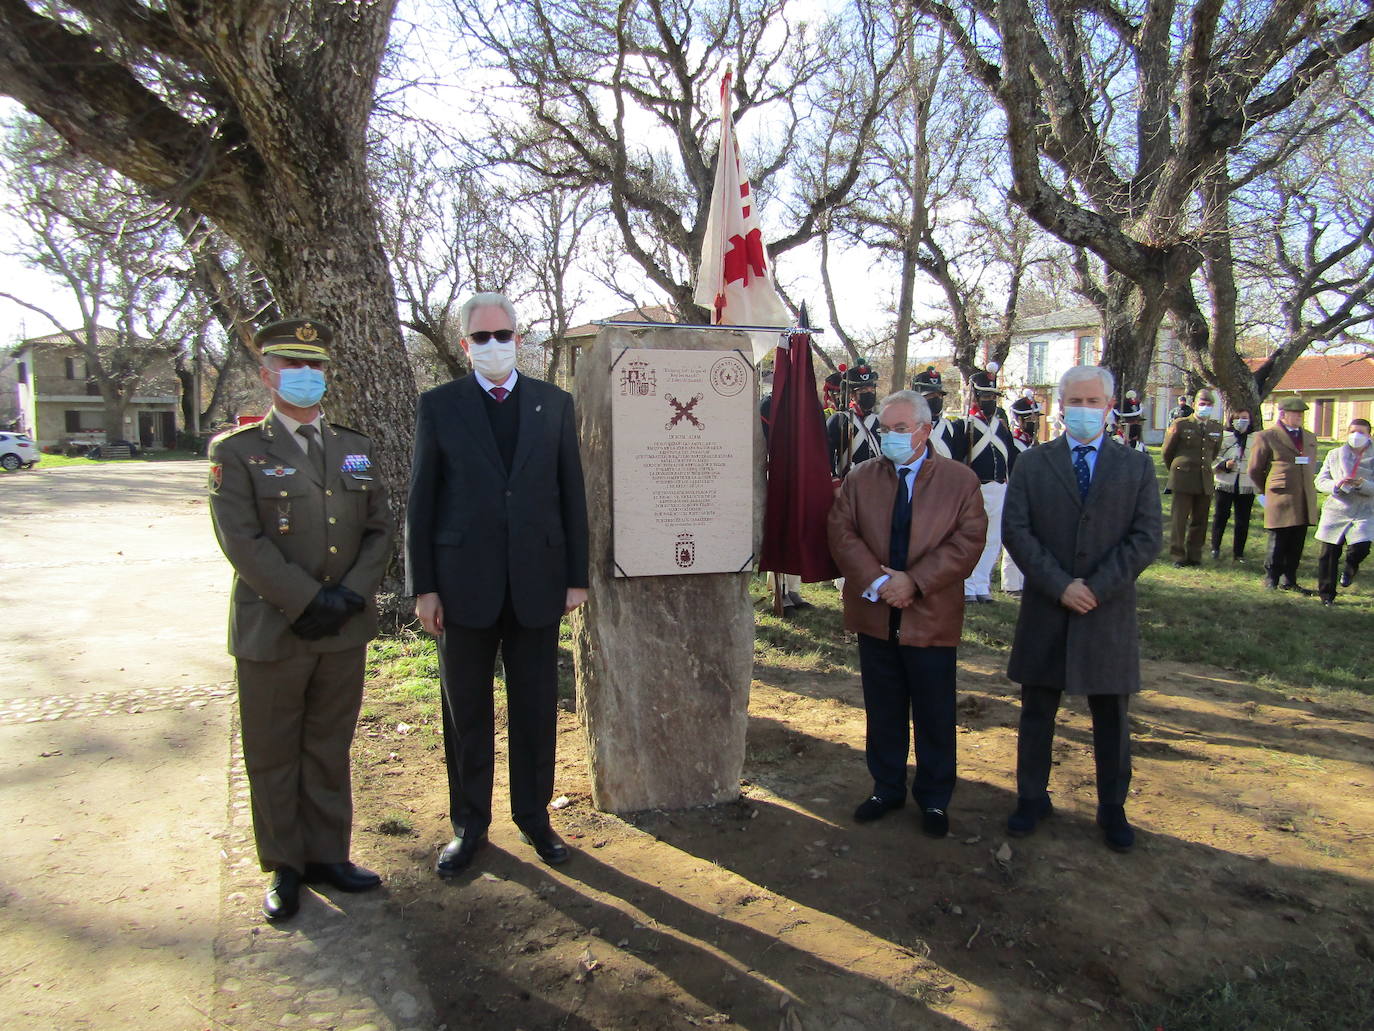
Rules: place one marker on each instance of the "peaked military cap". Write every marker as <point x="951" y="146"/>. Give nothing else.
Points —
<point x="307" y="339"/>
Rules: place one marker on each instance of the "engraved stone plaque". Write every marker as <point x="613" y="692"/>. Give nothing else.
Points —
<point x="682" y="432"/>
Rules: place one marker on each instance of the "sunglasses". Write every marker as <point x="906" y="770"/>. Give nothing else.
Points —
<point x="482" y="336"/>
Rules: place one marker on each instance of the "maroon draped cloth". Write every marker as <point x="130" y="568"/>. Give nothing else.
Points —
<point x="800" y="492"/>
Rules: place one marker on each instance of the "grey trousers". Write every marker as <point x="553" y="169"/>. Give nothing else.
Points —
<point x="1111" y="743"/>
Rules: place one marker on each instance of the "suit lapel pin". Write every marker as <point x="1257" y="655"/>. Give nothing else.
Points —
<point x="538" y="408"/>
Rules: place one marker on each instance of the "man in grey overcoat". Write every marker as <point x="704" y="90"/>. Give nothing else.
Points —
<point x="1082" y="521"/>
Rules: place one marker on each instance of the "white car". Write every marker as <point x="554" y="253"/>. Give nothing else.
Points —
<point x="17" y="450"/>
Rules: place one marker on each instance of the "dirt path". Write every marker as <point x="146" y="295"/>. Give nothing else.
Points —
<point x="1256" y="818"/>
<point x="131" y="891"/>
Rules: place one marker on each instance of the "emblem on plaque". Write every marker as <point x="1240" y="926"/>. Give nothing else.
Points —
<point x="637" y="379"/>
<point x="683" y="411"/>
<point x="729" y="375"/>
<point x="686" y="550"/>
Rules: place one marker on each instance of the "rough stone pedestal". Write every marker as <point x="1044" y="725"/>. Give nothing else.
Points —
<point x="663" y="663"/>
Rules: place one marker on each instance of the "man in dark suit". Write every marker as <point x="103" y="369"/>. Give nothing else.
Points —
<point x="496" y="554"/>
<point x="303" y="520"/>
<point x="1082" y="521"/>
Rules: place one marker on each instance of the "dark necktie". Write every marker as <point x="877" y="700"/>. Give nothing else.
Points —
<point x="312" y="447"/>
<point x="901" y="523"/>
<point x="1081" y="470"/>
<point x="499" y="394"/>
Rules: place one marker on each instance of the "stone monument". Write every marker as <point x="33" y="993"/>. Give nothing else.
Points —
<point x="664" y="648"/>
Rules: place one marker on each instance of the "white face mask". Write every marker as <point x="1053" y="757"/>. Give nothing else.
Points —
<point x="1240" y="425"/>
<point x="494" y="359"/>
<point x="1359" y="441"/>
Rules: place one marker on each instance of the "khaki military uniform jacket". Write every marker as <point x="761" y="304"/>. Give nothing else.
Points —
<point x="1289" y="486"/>
<point x="1190" y="448"/>
<point x="287" y="533"/>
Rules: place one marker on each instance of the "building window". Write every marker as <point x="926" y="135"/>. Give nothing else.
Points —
<point x="1325" y="416"/>
<point x="1035" y="364"/>
<point x="23" y="372"/>
<point x="73" y="419"/>
<point x="76" y="367"/>
<point x="1085" y="355"/>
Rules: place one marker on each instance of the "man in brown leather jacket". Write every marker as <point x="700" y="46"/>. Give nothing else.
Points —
<point x="905" y="531"/>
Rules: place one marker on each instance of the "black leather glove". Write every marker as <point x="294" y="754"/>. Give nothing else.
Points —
<point x="327" y="612"/>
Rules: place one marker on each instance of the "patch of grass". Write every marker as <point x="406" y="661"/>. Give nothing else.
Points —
<point x="1311" y="991"/>
<point x="396" y="824"/>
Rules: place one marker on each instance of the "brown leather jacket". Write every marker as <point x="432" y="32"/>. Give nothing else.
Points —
<point x="948" y="528"/>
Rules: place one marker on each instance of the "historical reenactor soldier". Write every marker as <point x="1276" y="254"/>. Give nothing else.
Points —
<point x="852" y="431"/>
<point x="905" y="531"/>
<point x="1190" y="447"/>
<point x="1348" y="515"/>
<point x="946" y="437"/>
<point x="990" y="452"/>
<point x="1082" y="521"/>
<point x="1013" y="580"/>
<point x="302" y="517"/>
<point x="1025" y="414"/>
<point x="1131" y="416"/>
<point x="1283" y="466"/>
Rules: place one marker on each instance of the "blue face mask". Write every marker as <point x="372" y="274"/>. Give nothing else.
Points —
<point x="302" y="387"/>
<point x="896" y="446"/>
<point x="1083" y="424"/>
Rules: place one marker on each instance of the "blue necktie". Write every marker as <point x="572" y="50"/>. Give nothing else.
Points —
<point x="1081" y="470"/>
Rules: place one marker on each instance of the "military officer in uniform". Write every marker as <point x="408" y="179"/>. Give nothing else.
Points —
<point x="303" y="519"/>
<point x="1190" y="448"/>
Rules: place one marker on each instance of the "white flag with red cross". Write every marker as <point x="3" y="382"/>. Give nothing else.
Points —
<point x="734" y="280"/>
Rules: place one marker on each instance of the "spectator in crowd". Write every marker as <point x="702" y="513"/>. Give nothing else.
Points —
<point x="1347" y="521"/>
<point x="1235" y="491"/>
<point x="1283" y="467"/>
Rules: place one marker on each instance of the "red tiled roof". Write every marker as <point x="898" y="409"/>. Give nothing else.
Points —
<point x="1326" y="372"/>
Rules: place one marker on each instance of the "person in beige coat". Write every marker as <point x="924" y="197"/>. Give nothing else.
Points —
<point x="905" y="531"/>
<point x="1190" y="448"/>
<point x="302" y="516"/>
<point x="1283" y="467"/>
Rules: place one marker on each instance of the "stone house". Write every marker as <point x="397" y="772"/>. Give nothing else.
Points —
<point x="60" y="402"/>
<point x="1043" y="347"/>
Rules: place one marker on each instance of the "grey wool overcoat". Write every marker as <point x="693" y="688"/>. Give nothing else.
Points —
<point x="1107" y="540"/>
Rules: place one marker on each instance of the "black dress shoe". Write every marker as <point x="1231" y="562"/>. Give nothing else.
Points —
<point x="1116" y="831"/>
<point x="1306" y="592"/>
<point x="344" y="876"/>
<point x="873" y="808"/>
<point x="1347" y="578"/>
<point x="935" y="823"/>
<point x="457" y="854"/>
<point x="283" y="898"/>
<point x="1029" y="813"/>
<point x="548" y="844"/>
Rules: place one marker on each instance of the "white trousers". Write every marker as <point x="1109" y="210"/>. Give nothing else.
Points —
<point x="1012" y="580"/>
<point x="980" y="580"/>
